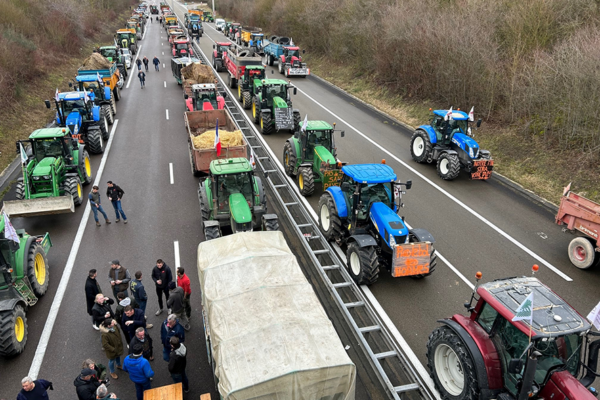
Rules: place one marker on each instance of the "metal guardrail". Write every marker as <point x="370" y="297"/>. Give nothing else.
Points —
<point x="391" y="364"/>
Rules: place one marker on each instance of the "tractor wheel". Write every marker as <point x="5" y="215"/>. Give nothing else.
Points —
<point x="582" y="253"/>
<point x="211" y="232"/>
<point x="13" y="331"/>
<point x="247" y="100"/>
<point x="121" y="82"/>
<point x="306" y="181"/>
<point x="255" y="111"/>
<point x="73" y="186"/>
<point x="104" y="125"/>
<point x="109" y="114"/>
<point x="289" y="159"/>
<point x="448" y="166"/>
<point x="204" y="205"/>
<point x="37" y="269"/>
<point x="451" y="366"/>
<point x="266" y="124"/>
<point x="20" y="191"/>
<point x="94" y="141"/>
<point x="231" y="81"/>
<point x="285" y="72"/>
<point x="271" y="60"/>
<point x="280" y="66"/>
<point x="363" y="264"/>
<point x="329" y="220"/>
<point x="113" y="106"/>
<point x="270" y="224"/>
<point x="86" y="169"/>
<point x="420" y="147"/>
<point x="432" y="258"/>
<point x="117" y="93"/>
<point x="297" y="120"/>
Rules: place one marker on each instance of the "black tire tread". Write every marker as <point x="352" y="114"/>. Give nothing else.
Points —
<point x="426" y="156"/>
<point x="453" y="166"/>
<point x="94" y="141"/>
<point x="336" y="231"/>
<point x="20" y="191"/>
<point x="38" y="290"/>
<point x="368" y="258"/>
<point x="247" y="100"/>
<point x="87" y="179"/>
<point x="267" y="124"/>
<point x="211" y="232"/>
<point x="291" y="165"/>
<point x="308" y="180"/>
<point x="9" y="346"/>
<point x="71" y="187"/>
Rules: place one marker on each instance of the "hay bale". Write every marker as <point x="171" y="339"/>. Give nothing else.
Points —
<point x="198" y="72"/>
<point x="96" y="61"/>
<point x="206" y="140"/>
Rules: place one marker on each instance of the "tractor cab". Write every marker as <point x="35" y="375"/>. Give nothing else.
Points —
<point x="126" y="39"/>
<point x="111" y="53"/>
<point x="207" y="16"/>
<point x="220" y="48"/>
<point x="256" y="40"/>
<point x="204" y="97"/>
<point x="171" y="20"/>
<point x="97" y="91"/>
<point x="291" y="55"/>
<point x="254" y="75"/>
<point x="446" y="128"/>
<point x="74" y="109"/>
<point x="182" y="48"/>
<point x="274" y="92"/>
<point x="317" y="142"/>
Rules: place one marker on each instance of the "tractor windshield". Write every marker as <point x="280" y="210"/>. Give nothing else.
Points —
<point x="373" y="193"/>
<point x="230" y="184"/>
<point x="73" y="105"/>
<point x="455" y="126"/>
<point x="293" y="53"/>
<point x="277" y="91"/>
<point x="223" y="49"/>
<point x="319" y="138"/>
<point x="182" y="46"/>
<point x="560" y="351"/>
<point x="93" y="86"/>
<point x="48" y="148"/>
<point x="109" y="53"/>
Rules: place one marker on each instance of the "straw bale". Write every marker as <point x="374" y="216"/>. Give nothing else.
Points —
<point x="206" y="140"/>
<point x="198" y="72"/>
<point x="96" y="61"/>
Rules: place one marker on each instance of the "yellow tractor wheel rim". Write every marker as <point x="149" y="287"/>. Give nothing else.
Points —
<point x="40" y="269"/>
<point x="261" y="123"/>
<point x="19" y="329"/>
<point x="88" y="167"/>
<point x="254" y="110"/>
<point x="301" y="181"/>
<point x="240" y="91"/>
<point x="79" y="190"/>
<point x="287" y="159"/>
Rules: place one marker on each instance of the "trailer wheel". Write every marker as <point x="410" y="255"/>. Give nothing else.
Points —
<point x="270" y="224"/>
<point x="451" y="366"/>
<point x="289" y="159"/>
<point x="306" y="181"/>
<point x="117" y="93"/>
<point x="13" y="331"/>
<point x="582" y="253"/>
<point x="247" y="100"/>
<point x="329" y="220"/>
<point x="212" y="232"/>
<point x="363" y="264"/>
<point x="420" y="147"/>
<point x="37" y="269"/>
<point x="448" y="166"/>
<point x="20" y="191"/>
<point x="94" y="141"/>
<point x="73" y="187"/>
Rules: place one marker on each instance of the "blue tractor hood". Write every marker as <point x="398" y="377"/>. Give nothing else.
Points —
<point x="74" y="122"/>
<point x="387" y="223"/>
<point x="467" y="143"/>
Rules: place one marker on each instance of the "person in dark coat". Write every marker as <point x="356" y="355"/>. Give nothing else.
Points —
<point x="139" y="291"/>
<point x="86" y="384"/>
<point x="156" y="62"/>
<point x="161" y="275"/>
<point x="34" y="390"/>
<point x="132" y="319"/>
<point x="145" y="60"/>
<point x="102" y="309"/>
<point x="99" y="370"/>
<point x="176" y="304"/>
<point x="119" y="277"/>
<point x="124" y="301"/>
<point x="112" y="345"/>
<point x="92" y="288"/>
<point x="169" y="329"/>
<point x="139" y="64"/>
<point x="178" y="362"/>
<point x="143" y="338"/>
<point x="115" y="194"/>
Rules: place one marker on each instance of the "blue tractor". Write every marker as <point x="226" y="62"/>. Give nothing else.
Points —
<point x="86" y="121"/>
<point x="361" y="214"/>
<point x="448" y="140"/>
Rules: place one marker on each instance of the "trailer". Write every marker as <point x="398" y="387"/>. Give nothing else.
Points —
<point x="236" y="63"/>
<point x="198" y="122"/>
<point x="581" y="215"/>
<point x="267" y="335"/>
<point x="181" y="62"/>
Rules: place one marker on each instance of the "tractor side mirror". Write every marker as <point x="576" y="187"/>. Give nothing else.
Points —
<point x="224" y="94"/>
<point x="515" y="366"/>
<point x="303" y="51"/>
<point x="70" y="84"/>
<point x="185" y="96"/>
<point x="295" y="91"/>
<point x="47" y="102"/>
<point x="408" y="184"/>
<point x="345" y="187"/>
<point x="479" y="122"/>
<point x="342" y="133"/>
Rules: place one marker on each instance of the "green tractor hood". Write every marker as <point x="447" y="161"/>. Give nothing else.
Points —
<point x="44" y="167"/>
<point x="241" y="214"/>
<point x="324" y="155"/>
<point x="278" y="102"/>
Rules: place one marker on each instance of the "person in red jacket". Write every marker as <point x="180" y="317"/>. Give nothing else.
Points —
<point x="184" y="282"/>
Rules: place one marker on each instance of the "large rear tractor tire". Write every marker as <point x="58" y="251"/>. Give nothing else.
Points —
<point x="289" y="159"/>
<point x="297" y="120"/>
<point x="306" y="181"/>
<point x="582" y="253"/>
<point x="113" y="106"/>
<point x="117" y="95"/>
<point x="451" y="366"/>
<point x="104" y="125"/>
<point x="432" y="258"/>
<point x="20" y="191"/>
<point x="73" y="186"/>
<point x="329" y="220"/>
<point x="266" y="124"/>
<point x="363" y="264"/>
<point x="13" y="331"/>
<point x="448" y="166"/>
<point x="212" y="232"/>
<point x="247" y="100"/>
<point x="94" y="141"/>
<point x="231" y="81"/>
<point x="204" y="205"/>
<point x="270" y="224"/>
<point x="37" y="269"/>
<point x="109" y="115"/>
<point x="255" y="111"/>
<point x="86" y="169"/>
<point x="420" y="147"/>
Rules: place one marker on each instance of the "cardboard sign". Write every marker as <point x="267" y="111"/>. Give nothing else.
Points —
<point x="332" y="177"/>
<point x="411" y="259"/>
<point x="482" y="169"/>
<point x="284" y="118"/>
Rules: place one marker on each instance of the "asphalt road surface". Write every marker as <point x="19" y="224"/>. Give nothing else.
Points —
<point x="478" y="226"/>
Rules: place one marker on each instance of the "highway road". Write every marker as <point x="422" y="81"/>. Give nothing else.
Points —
<point x="478" y="226"/>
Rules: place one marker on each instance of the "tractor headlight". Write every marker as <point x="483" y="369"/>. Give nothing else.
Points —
<point x="37" y="178"/>
<point x="47" y="177"/>
<point x="392" y="241"/>
<point x="471" y="153"/>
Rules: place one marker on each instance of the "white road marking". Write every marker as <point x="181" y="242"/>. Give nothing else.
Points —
<point x="163" y="65"/>
<point x="447" y="194"/>
<point x="163" y="53"/>
<point x="137" y="54"/>
<point x="165" y="83"/>
<point x="40" y="351"/>
<point x="177" y="259"/>
<point x="162" y="44"/>
<point x="171" y="172"/>
<point x="167" y="113"/>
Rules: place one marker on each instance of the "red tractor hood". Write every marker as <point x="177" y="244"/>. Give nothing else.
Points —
<point x="562" y="385"/>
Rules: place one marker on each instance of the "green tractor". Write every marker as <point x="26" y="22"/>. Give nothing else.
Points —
<point x="272" y="106"/>
<point x="311" y="155"/>
<point x="113" y="54"/>
<point x="24" y="277"/>
<point x="231" y="196"/>
<point x="207" y="16"/>
<point x="52" y="175"/>
<point x="126" y="38"/>
<point x="252" y="77"/>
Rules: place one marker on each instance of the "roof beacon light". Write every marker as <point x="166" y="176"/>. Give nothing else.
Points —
<point x="383" y="160"/>
<point x="534" y="269"/>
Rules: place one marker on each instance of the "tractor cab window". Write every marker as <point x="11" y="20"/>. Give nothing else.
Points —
<point x="319" y="138"/>
<point x="230" y="184"/>
<point x="486" y="317"/>
<point x="109" y="53"/>
<point x="374" y="193"/>
<point x="48" y="148"/>
<point x="511" y="343"/>
<point x="74" y="105"/>
<point x="93" y="86"/>
<point x="256" y="73"/>
<point x="455" y="126"/>
<point x="276" y="91"/>
<point x="562" y="351"/>
<point x="223" y="49"/>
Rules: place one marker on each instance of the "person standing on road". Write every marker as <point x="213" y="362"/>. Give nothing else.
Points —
<point x="124" y="301"/>
<point x="145" y="60"/>
<point x="34" y="390"/>
<point x="161" y="275"/>
<point x="140" y="371"/>
<point x="139" y="291"/>
<point x="175" y="304"/>
<point x="178" y="362"/>
<point x="133" y="319"/>
<point x="142" y="338"/>
<point x="99" y="369"/>
<point x="156" y="62"/>
<point x="139" y="64"/>
<point x="94" y="197"/>
<point x="102" y="310"/>
<point x="142" y="76"/>
<point x="119" y="278"/>
<point x="102" y="394"/>
<point x="170" y="328"/>
<point x="184" y="282"/>
<point x="92" y="288"/>
<point x="115" y="194"/>
<point x="86" y="384"/>
<point x="112" y="345"/>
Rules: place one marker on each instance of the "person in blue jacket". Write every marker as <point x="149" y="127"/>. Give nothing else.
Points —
<point x="171" y="327"/>
<point x="139" y="371"/>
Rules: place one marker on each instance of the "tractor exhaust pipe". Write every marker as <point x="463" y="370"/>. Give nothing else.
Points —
<point x="592" y="362"/>
<point x="528" y="376"/>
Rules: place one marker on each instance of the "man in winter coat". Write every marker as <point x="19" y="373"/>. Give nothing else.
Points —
<point x="95" y="200"/>
<point x="34" y="390"/>
<point x="102" y="394"/>
<point x="133" y="319"/>
<point x="143" y="338"/>
<point x="92" y="288"/>
<point x="156" y="62"/>
<point x="139" y="370"/>
<point x="145" y="60"/>
<point x="112" y="345"/>
<point x="184" y="282"/>
<point x="178" y="362"/>
<point x="119" y="277"/>
<point x="102" y="309"/>
<point x="175" y="304"/>
<point x="169" y="329"/>
<point x="161" y="275"/>
<point x="115" y="194"/>
<point x="139" y="291"/>
<point x="86" y="385"/>
<point x="124" y="301"/>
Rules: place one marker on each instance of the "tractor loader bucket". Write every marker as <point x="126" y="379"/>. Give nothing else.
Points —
<point x="43" y="206"/>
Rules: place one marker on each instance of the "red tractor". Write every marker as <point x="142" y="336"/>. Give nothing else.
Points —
<point x="487" y="355"/>
<point x="290" y="62"/>
<point x="182" y="48"/>
<point x="203" y="97"/>
<point x="217" y="58"/>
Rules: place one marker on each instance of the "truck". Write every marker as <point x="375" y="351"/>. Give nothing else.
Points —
<point x="297" y="351"/>
<point x="198" y="122"/>
<point x="102" y="95"/>
<point x="220" y="48"/>
<point x="236" y="63"/>
<point x="24" y="278"/>
<point x="287" y="55"/>
<point x="110" y="77"/>
<point x="246" y="35"/>
<point x="204" y="96"/>
<point x="581" y="216"/>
